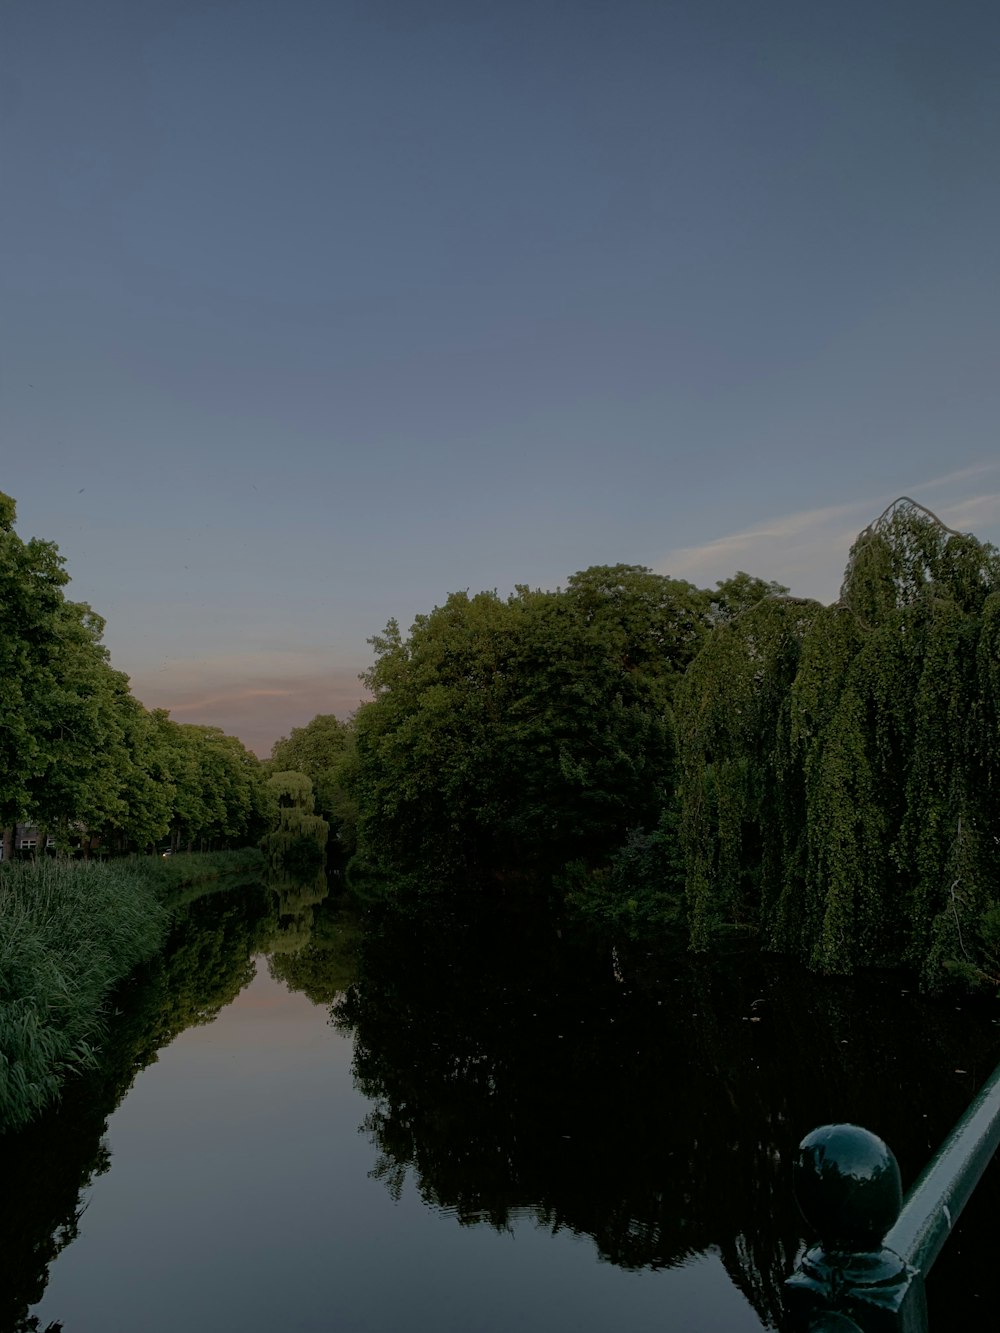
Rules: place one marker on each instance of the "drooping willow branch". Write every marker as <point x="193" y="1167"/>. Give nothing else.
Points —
<point x="829" y="754"/>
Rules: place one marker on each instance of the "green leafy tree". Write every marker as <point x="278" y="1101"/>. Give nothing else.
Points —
<point x="219" y="794"/>
<point x="655" y="624"/>
<point x="79" y="773"/>
<point x="741" y="592"/>
<point x="146" y="788"/>
<point x="509" y="737"/>
<point x="840" y="763"/>
<point x="78" y="754"/>
<point x="297" y="839"/>
<point x="895" y="722"/>
<point x="321" y="749"/>
<point x="741" y="819"/>
<point x="31" y="599"/>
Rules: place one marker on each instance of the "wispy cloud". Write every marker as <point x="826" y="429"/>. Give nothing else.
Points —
<point x="961" y="475"/>
<point x="977" y="514"/>
<point x="807" y="550"/>
<point x="201" y="705"/>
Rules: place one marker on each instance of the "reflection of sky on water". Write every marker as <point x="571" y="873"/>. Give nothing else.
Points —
<point x="239" y="1198"/>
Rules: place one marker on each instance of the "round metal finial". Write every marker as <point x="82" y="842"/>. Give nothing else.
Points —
<point x="848" y="1187"/>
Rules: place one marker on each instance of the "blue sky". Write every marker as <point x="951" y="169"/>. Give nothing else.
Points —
<point x="314" y="312"/>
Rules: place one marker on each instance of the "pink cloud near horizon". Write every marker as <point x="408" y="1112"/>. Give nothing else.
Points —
<point x="258" y="711"/>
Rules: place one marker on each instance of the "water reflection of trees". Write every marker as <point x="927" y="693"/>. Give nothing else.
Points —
<point x="326" y="963"/>
<point x="652" y="1106"/>
<point x="293" y="900"/>
<point x="648" y="1103"/>
<point x="206" y="962"/>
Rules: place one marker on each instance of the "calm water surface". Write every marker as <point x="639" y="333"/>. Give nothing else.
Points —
<point x="462" y="1124"/>
<point x="241" y="1196"/>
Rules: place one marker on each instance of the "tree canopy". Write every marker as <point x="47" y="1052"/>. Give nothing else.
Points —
<point x="297" y="838"/>
<point x="509" y="736"/>
<point x="78" y="753"/>
<point x="322" y="750"/>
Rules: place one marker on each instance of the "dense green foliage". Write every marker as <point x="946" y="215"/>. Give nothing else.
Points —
<point x="641" y="889"/>
<point x="662" y="756"/>
<point x="824" y="778"/>
<point x="741" y="810"/>
<point x="321" y="749"/>
<point x="68" y="933"/>
<point x="215" y="786"/>
<point x="508" y="738"/>
<point x="841" y="767"/>
<point x="80" y="758"/>
<point x="296" y="842"/>
<point x="91" y="769"/>
<point x="176" y="877"/>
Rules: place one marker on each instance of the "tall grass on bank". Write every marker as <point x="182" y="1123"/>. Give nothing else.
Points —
<point x="169" y="874"/>
<point x="68" y="933"/>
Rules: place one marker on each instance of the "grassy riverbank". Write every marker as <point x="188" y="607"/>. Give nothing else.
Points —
<point x="171" y="874"/>
<point x="69" y="933"/>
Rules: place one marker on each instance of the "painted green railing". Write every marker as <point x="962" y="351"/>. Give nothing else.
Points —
<point x="867" y="1273"/>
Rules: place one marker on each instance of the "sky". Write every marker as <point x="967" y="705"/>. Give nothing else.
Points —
<point x="314" y="311"/>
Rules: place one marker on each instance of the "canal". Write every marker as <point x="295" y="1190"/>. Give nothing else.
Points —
<point x="475" y="1121"/>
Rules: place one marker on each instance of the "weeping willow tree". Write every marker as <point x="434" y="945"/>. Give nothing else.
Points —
<point x="840" y="770"/>
<point x="297" y="840"/>
<point x="740" y="796"/>
<point x="296" y="851"/>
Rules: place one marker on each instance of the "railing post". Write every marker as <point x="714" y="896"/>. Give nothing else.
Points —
<point x="848" y="1188"/>
<point x="874" y="1253"/>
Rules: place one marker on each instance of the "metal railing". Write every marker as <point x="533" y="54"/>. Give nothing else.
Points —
<point x="867" y="1273"/>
